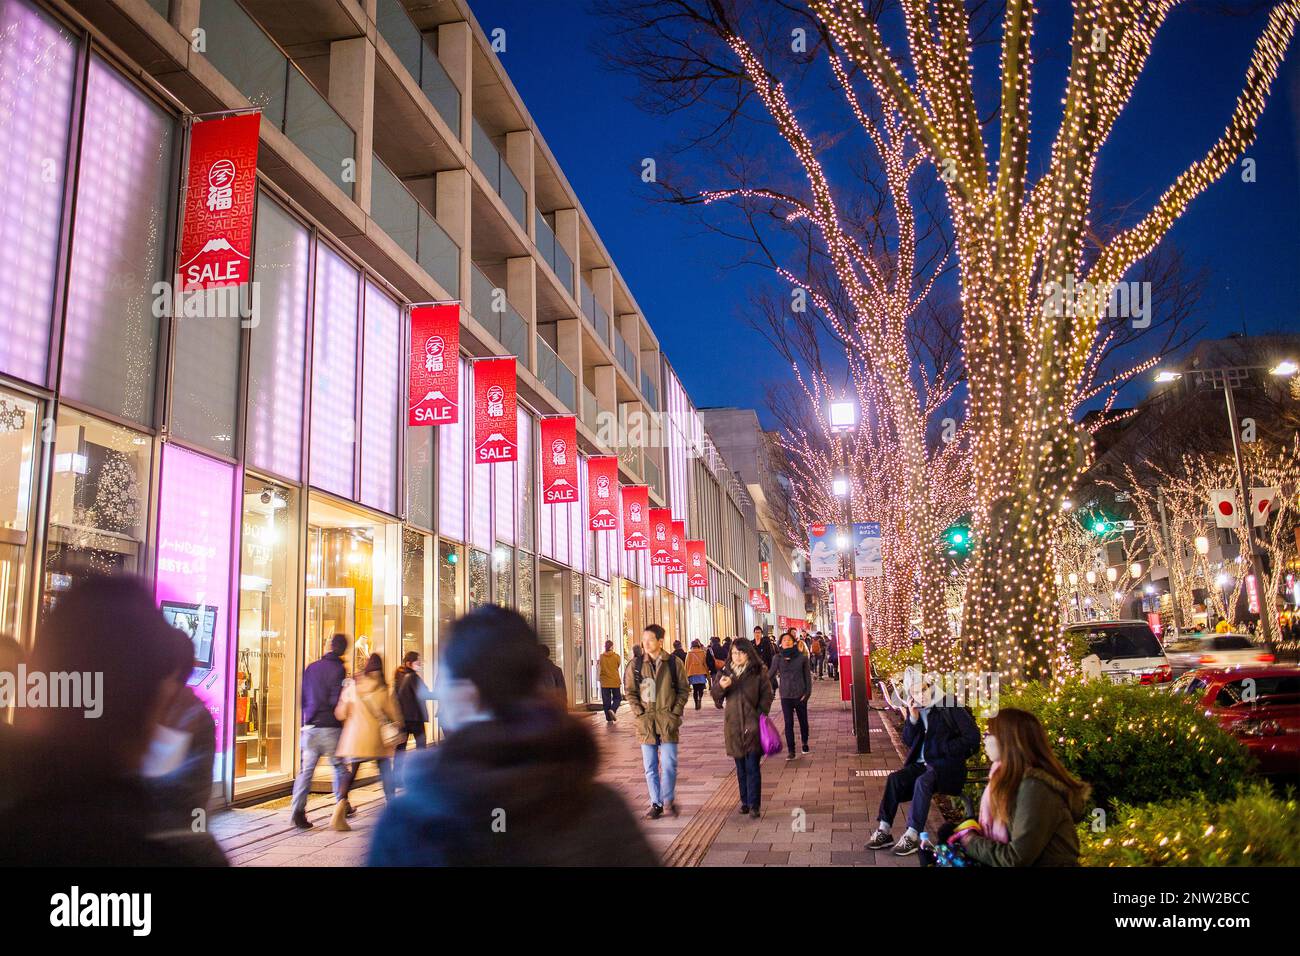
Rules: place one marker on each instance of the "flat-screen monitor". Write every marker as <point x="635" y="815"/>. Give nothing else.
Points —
<point x="198" y="622"/>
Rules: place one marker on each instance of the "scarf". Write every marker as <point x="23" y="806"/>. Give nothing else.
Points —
<point x="992" y="829"/>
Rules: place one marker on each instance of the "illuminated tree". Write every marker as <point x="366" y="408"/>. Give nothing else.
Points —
<point x="1019" y="242"/>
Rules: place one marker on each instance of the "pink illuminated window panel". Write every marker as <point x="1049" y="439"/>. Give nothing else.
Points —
<point x="380" y="401"/>
<point x="334" y="373"/>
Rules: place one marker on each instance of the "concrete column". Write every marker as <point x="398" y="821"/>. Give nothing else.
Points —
<point x="568" y="339"/>
<point x="185" y="17"/>
<point x="606" y="389"/>
<point x="452" y="210"/>
<point x="352" y="93"/>
<point x="521" y="290"/>
<point x="519" y="157"/>
<point x="456" y="54"/>
<point x="629" y="325"/>
<point x="602" y="287"/>
<point x="566" y="231"/>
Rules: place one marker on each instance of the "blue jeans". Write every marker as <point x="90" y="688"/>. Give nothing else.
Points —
<point x="317" y="742"/>
<point x="749" y="779"/>
<point x="653" y="758"/>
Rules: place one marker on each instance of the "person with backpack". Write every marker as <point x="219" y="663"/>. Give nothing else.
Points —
<point x="939" y="739"/>
<point x="818" y="660"/>
<point x="372" y="724"/>
<point x="794" y="678"/>
<point x="744" y="692"/>
<point x="697" y="671"/>
<point x="1029" y="810"/>
<point x="656" y="691"/>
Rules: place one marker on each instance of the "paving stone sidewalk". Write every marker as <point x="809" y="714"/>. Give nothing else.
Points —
<point x="818" y="810"/>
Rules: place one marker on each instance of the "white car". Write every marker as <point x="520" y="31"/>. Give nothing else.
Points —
<point x="1216" y="650"/>
<point x="1129" y="651"/>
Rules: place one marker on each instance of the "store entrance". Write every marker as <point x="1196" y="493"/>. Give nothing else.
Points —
<point x="551" y="602"/>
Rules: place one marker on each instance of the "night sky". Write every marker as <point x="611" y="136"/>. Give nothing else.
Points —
<point x="694" y="295"/>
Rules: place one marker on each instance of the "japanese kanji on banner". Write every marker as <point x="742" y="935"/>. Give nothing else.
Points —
<point x="496" y="427"/>
<point x="559" y="460"/>
<point x="220" y="194"/>
<point x="602" y="493"/>
<point x="758" y="601"/>
<point x="678" y="547"/>
<point x="434" y="383"/>
<point x="636" y="518"/>
<point x="661" y="531"/>
<point x="697" y="565"/>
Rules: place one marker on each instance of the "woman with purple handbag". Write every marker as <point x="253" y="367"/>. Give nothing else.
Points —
<point x="744" y="691"/>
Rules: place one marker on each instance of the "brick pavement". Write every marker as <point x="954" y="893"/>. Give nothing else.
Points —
<point x="818" y="810"/>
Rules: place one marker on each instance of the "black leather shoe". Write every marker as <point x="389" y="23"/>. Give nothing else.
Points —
<point x="301" y="822"/>
<point x="655" y="812"/>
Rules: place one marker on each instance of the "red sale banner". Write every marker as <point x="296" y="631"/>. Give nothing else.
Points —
<point x="434" y="365"/>
<point x="602" y="493"/>
<point x="697" y="565"/>
<point x="678" y="547"/>
<point x="559" y="459"/>
<point x="661" y="531"/>
<point x="636" y="518"/>
<point x="758" y="600"/>
<point x="220" y="193"/>
<point x="496" y="433"/>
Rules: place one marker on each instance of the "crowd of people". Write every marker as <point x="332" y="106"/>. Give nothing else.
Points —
<point x="514" y="777"/>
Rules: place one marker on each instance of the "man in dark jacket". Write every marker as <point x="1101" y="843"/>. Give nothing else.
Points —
<point x="766" y="649"/>
<point x="322" y="683"/>
<point x="794" y="678"/>
<point x="410" y="692"/>
<point x="551" y="684"/>
<point x="939" y="738"/>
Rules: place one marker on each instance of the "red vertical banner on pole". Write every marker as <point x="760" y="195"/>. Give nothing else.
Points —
<point x="677" y="545"/>
<point x="220" y="194"/>
<point x="559" y="459"/>
<point x="602" y="493"/>
<point x="697" y="565"/>
<point x="636" y="518"/>
<point x="758" y="601"/>
<point x="496" y="427"/>
<point x="661" y="531"/>
<point x="434" y="377"/>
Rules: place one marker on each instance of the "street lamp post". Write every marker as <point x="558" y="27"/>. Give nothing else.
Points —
<point x="843" y="418"/>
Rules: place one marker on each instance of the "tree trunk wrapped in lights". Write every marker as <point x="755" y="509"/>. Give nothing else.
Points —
<point x="1017" y="243"/>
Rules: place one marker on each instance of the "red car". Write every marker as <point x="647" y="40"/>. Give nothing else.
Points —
<point x="1260" y="706"/>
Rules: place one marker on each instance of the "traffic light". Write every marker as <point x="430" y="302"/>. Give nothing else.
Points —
<point x="958" y="538"/>
<point x="1100" y="525"/>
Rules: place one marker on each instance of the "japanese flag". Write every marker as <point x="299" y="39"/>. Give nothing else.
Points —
<point x="1223" y="502"/>
<point x="1261" y="500"/>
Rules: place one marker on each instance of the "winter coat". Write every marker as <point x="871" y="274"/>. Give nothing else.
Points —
<point x="322" y="682"/>
<point x="362" y="705"/>
<point x="610" y="669"/>
<point x="766" y="650"/>
<point x="948" y="741"/>
<point x="658" y="721"/>
<point x="188" y="787"/>
<point x="697" y="663"/>
<point x="749" y="695"/>
<point x="517" y="792"/>
<point x="794" y="676"/>
<point x="1043" y="819"/>
<point x="410" y="692"/>
<point x="717" y="656"/>
<point x="552" y="684"/>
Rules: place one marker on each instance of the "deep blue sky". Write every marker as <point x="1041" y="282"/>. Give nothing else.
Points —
<point x="685" y="280"/>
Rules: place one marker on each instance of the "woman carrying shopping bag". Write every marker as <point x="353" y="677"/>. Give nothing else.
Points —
<point x="744" y="691"/>
<point x="372" y="725"/>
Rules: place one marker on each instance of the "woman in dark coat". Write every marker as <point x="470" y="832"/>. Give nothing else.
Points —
<point x="794" y="677"/>
<point x="744" y="690"/>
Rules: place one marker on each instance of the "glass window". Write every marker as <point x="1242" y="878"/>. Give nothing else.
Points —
<point x="246" y="56"/>
<point x="503" y="481"/>
<point x="451" y="466"/>
<point x="526" y="601"/>
<point x="524" y="482"/>
<point x="99" y="501"/>
<point x="419" y="475"/>
<point x="503" y="575"/>
<point x="417" y="596"/>
<point x="37" y="69"/>
<point x="205" y="379"/>
<point x="380" y="403"/>
<point x="278" y="342"/>
<point x="334" y="373"/>
<point x="480" y="515"/>
<point x="119" y="248"/>
<point x="451" y="580"/>
<point x="265" y="669"/>
<point x="18" y="420"/>
<point x="479" y="593"/>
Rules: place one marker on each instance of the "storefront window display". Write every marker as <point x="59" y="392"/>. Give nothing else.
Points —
<point x="99" y="501"/>
<point x="479" y="578"/>
<point x="527" y="602"/>
<point x="599" y="630"/>
<point x="551" y="599"/>
<point x="417" y="596"/>
<point x="268" y="611"/>
<point x="503" y="575"/>
<point x="575" y="670"/>
<point x="629" y="615"/>
<point x="352" y="583"/>
<point x="18" y="421"/>
<point x="451" y="584"/>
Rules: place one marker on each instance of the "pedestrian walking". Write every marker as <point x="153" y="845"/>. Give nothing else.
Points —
<point x="513" y="782"/>
<point x="679" y="653"/>
<point x="818" y="659"/>
<point x="697" y="671"/>
<point x="657" y="691"/>
<point x="178" y="765"/>
<point x="372" y="724"/>
<point x="717" y="656"/>
<point x="322" y="685"/>
<point x="794" y="678"/>
<point x="1030" y="809"/>
<point x="551" y="684"/>
<point x="611" y="682"/>
<point x="410" y="692"/>
<point x="832" y="655"/>
<point x="765" y="646"/>
<point x="744" y="691"/>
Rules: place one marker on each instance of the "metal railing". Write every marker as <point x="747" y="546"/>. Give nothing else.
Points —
<point x="411" y="226"/>
<point x="498" y="172"/>
<point x="417" y="54"/>
<point x="251" y="60"/>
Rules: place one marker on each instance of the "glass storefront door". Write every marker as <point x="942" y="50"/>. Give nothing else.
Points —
<point x="599" y="630"/>
<point x="552" y="600"/>
<point x="265" y="666"/>
<point x="18" y="422"/>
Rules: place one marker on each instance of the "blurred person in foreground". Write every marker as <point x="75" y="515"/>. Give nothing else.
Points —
<point x="179" y="763"/>
<point x="514" y="781"/>
<point x="82" y="799"/>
